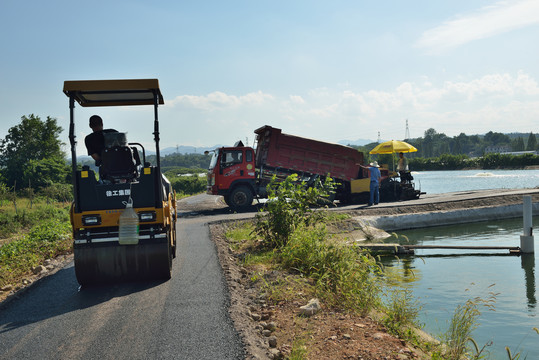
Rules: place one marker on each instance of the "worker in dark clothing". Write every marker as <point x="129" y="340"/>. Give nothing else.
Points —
<point x="95" y="142"/>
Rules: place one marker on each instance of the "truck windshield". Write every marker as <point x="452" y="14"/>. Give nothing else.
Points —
<point x="213" y="161"/>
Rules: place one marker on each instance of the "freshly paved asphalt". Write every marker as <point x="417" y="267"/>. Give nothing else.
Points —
<point x="183" y="318"/>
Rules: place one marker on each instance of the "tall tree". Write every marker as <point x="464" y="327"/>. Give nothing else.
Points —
<point x="30" y="142"/>
<point x="517" y="144"/>
<point x="495" y="138"/>
<point x="532" y="142"/>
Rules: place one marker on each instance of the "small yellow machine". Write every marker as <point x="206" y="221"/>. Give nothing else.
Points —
<point x="124" y="220"/>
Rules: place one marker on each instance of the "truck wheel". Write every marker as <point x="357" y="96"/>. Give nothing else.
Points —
<point x="240" y="197"/>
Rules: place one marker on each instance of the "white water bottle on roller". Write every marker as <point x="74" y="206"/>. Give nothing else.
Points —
<point x="129" y="225"/>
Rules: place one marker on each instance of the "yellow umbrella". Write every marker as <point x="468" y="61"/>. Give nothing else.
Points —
<point x="393" y="146"/>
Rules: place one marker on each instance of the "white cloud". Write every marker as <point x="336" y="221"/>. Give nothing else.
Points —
<point x="218" y="100"/>
<point x="296" y="99"/>
<point x="501" y="17"/>
<point x="497" y="102"/>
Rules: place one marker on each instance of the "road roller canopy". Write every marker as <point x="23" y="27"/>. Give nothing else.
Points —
<point x="128" y="92"/>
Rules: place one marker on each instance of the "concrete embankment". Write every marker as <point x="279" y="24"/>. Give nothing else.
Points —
<point x="438" y="218"/>
<point x="445" y="217"/>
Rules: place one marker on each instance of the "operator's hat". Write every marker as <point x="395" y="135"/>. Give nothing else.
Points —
<point x="375" y="164"/>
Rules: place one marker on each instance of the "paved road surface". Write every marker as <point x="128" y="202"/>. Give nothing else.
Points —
<point x="183" y="318"/>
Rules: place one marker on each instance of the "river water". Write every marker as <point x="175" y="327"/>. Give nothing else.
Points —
<point x="437" y="182"/>
<point x="443" y="279"/>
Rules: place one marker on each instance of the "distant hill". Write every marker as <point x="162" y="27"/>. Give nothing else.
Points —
<point x="358" y="142"/>
<point x="85" y="159"/>
<point x="185" y="150"/>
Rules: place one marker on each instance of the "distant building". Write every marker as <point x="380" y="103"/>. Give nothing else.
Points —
<point x="523" y="152"/>
<point x="498" y="149"/>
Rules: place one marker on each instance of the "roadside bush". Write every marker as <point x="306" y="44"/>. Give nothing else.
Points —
<point x="188" y="185"/>
<point x="290" y="204"/>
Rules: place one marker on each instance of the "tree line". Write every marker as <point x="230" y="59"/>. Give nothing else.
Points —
<point x="434" y="144"/>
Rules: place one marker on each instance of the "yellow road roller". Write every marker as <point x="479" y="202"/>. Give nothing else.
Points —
<point x="124" y="209"/>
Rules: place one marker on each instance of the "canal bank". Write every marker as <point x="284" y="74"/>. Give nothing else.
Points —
<point x="447" y="209"/>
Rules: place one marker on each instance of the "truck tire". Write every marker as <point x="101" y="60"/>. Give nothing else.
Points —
<point x="240" y="197"/>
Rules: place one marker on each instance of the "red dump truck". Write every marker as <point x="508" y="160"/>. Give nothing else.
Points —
<point x="241" y="173"/>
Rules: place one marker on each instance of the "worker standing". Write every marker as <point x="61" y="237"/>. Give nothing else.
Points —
<point x="375" y="176"/>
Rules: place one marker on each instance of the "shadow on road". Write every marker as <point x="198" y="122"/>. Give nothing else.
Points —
<point x="219" y="211"/>
<point x="36" y="303"/>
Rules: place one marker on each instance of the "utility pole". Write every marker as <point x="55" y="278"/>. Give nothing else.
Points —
<point x="407" y="134"/>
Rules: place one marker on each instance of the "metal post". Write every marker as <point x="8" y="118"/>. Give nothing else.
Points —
<point x="156" y="130"/>
<point x="526" y="239"/>
<point x="73" y="142"/>
<point x="157" y="152"/>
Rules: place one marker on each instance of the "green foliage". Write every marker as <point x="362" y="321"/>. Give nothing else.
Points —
<point x="30" y="149"/>
<point x="434" y="144"/>
<point x="299" y="349"/>
<point x="532" y="142"/>
<point x="44" y="172"/>
<point x="344" y="276"/>
<point x="518" y="144"/>
<point x="192" y="161"/>
<point x="290" y="204"/>
<point x="188" y="185"/>
<point x="489" y="161"/>
<point x="401" y="311"/>
<point x="458" y="338"/>
<point x="57" y="192"/>
<point x="12" y="222"/>
<point x="49" y="236"/>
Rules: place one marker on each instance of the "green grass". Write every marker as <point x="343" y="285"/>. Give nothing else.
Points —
<point x="36" y="234"/>
<point x="28" y="214"/>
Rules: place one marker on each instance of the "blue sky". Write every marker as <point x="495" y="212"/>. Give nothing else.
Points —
<point x="329" y="70"/>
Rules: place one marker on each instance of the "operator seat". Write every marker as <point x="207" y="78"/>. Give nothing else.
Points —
<point x="117" y="161"/>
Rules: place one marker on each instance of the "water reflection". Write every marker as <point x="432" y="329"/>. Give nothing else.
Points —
<point x="442" y="279"/>
<point x="528" y="264"/>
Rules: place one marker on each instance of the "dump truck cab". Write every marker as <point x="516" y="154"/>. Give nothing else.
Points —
<point x="232" y="174"/>
<point x="124" y="177"/>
